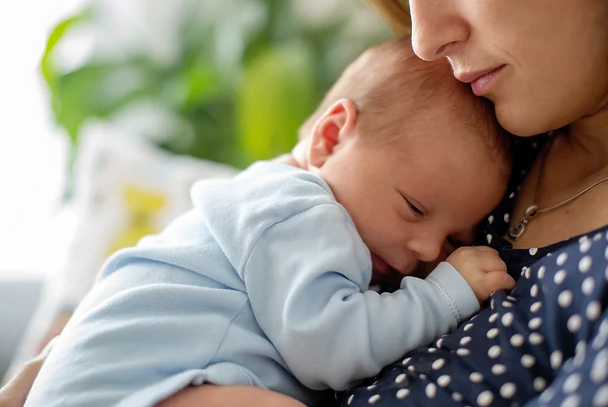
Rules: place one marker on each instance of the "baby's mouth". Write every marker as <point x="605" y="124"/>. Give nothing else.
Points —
<point x="382" y="272"/>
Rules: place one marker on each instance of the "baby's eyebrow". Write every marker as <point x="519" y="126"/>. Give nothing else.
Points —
<point x="413" y="201"/>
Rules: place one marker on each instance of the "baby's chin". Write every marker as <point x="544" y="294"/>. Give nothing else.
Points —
<point x="420" y="270"/>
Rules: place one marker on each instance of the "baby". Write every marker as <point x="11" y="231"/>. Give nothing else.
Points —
<point x="265" y="282"/>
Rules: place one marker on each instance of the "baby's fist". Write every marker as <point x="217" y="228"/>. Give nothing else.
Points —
<point x="483" y="270"/>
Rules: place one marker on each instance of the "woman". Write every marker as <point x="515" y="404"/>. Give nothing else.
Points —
<point x="544" y="64"/>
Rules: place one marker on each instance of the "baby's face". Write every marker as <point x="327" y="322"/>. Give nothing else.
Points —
<point x="406" y="198"/>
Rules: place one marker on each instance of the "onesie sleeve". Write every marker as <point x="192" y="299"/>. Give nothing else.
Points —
<point x="307" y="278"/>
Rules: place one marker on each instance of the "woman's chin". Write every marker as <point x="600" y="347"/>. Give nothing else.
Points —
<point x="523" y="122"/>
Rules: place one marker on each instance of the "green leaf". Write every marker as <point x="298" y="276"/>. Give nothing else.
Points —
<point x="49" y="73"/>
<point x="276" y="96"/>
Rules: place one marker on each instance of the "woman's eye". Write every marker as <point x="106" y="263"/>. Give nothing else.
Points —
<point x="415" y="209"/>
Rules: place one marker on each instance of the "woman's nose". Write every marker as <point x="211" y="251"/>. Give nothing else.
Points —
<point x="436" y="28"/>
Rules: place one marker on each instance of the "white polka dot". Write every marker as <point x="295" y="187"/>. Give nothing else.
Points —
<point x="536" y="338"/>
<point x="559" y="277"/>
<point x="565" y="299"/>
<point x="492" y="303"/>
<point x="572" y="383"/>
<point x="600" y="340"/>
<point x="588" y="286"/>
<point x="507" y="304"/>
<point x="431" y="390"/>
<point x="556" y="359"/>
<point x="585" y="245"/>
<point x="571" y="401"/>
<point x="493" y="333"/>
<point x="585" y="264"/>
<point x="506" y="218"/>
<point x="438" y="364"/>
<point x="490" y="219"/>
<point x="574" y="323"/>
<point x="463" y="352"/>
<point x="534" y="290"/>
<point x="597" y="237"/>
<point x="489" y="238"/>
<point x="374" y="399"/>
<point x="527" y="361"/>
<point x="372" y="387"/>
<point x="494" y="352"/>
<point x="541" y="271"/>
<point x="403" y="393"/>
<point x="485" y="398"/>
<point x="523" y="272"/>
<point x="511" y="195"/>
<point x="539" y="384"/>
<point x="507" y="390"/>
<point x="535" y="323"/>
<point x="411" y="368"/>
<point x="467" y="327"/>
<point x="401" y="378"/>
<point x="476" y="377"/>
<point x="594" y="309"/>
<point x="465" y="340"/>
<point x="536" y="306"/>
<point x="444" y="380"/>
<point x="600" y="399"/>
<point x="517" y="340"/>
<point x="606" y="251"/>
<point x="599" y="369"/>
<point x="406" y="361"/>
<point x="579" y="353"/>
<point x="547" y="395"/>
<point x="439" y="342"/>
<point x="457" y="397"/>
<point x="511" y="298"/>
<point x="499" y="369"/>
<point x="507" y="319"/>
<point x="561" y="259"/>
<point x="350" y="399"/>
<point x="493" y="318"/>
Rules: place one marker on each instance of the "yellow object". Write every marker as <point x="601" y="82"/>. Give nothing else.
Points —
<point x="396" y="13"/>
<point x="142" y="206"/>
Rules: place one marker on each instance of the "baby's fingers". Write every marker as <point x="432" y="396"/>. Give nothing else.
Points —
<point x="497" y="280"/>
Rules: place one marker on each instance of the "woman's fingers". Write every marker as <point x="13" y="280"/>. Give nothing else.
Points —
<point x="14" y="393"/>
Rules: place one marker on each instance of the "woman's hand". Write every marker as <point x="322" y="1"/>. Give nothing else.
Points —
<point x="227" y="396"/>
<point x="15" y="392"/>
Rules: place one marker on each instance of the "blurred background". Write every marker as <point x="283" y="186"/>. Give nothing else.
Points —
<point x="111" y="109"/>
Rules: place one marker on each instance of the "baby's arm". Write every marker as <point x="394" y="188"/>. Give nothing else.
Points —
<point x="307" y="279"/>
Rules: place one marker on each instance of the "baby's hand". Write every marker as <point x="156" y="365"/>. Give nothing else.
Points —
<point x="483" y="269"/>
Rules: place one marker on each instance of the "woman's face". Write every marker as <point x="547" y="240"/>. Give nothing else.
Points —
<point x="544" y="63"/>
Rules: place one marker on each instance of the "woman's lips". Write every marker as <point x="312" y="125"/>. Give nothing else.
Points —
<point x="481" y="81"/>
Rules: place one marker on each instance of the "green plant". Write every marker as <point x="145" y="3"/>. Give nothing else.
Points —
<point x="224" y="102"/>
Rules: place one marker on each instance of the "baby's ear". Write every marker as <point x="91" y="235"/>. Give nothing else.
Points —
<point x="332" y="128"/>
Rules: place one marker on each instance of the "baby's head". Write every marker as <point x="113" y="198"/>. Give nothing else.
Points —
<point x="410" y="152"/>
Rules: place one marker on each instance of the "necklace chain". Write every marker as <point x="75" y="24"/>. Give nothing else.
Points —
<point x="518" y="229"/>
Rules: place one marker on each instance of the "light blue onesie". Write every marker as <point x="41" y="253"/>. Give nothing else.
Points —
<point x="264" y="283"/>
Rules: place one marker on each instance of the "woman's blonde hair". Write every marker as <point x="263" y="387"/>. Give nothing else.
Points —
<point x="396" y="13"/>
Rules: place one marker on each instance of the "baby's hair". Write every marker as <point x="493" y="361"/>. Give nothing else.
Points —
<point x="390" y="76"/>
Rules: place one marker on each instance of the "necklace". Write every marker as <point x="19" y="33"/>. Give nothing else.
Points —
<point x="518" y="229"/>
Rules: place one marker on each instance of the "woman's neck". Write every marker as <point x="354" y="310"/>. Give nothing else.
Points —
<point x="586" y="141"/>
